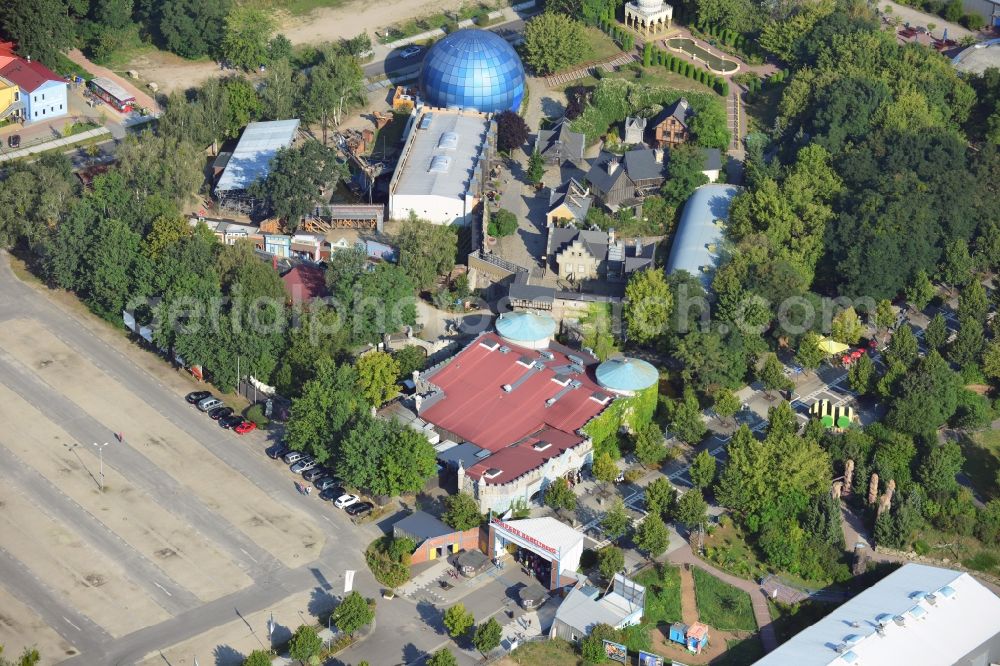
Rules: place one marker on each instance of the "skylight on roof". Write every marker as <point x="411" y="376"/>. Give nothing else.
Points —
<point x="448" y="141"/>
<point x="492" y="473"/>
<point x="440" y="164"/>
<point x="541" y="445"/>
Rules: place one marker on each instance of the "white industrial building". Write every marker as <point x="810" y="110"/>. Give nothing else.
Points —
<point x="918" y="616"/>
<point x="440" y="173"/>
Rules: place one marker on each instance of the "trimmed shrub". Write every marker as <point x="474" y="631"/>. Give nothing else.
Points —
<point x="972" y="21"/>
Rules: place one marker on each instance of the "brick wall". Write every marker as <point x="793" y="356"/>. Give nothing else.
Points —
<point x="467" y="540"/>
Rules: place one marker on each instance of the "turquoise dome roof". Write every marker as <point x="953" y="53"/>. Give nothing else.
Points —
<point x="626" y="374"/>
<point x="525" y="326"/>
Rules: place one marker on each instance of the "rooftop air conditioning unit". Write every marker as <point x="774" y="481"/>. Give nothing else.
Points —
<point x="507" y="388"/>
<point x="547" y="355"/>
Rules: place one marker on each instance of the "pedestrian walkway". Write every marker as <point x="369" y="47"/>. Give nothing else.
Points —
<point x="608" y="65"/>
<point x="65" y="142"/>
<point x="761" y="612"/>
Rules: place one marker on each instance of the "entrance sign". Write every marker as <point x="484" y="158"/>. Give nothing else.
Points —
<point x="521" y="535"/>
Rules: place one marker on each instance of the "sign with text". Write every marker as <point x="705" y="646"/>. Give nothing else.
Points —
<point x="524" y="537"/>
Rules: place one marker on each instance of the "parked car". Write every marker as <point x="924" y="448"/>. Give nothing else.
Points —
<point x="316" y="472"/>
<point x="276" y="451"/>
<point x="410" y="51"/>
<point x="14" y="140"/>
<point x="324" y="482"/>
<point x="359" y="509"/>
<point x="245" y="427"/>
<point x="231" y="421"/>
<point x="345" y="501"/>
<point x="220" y="413"/>
<point x="209" y="403"/>
<point x="196" y="397"/>
<point x="331" y="493"/>
<point x="293" y="457"/>
<point x="303" y="465"/>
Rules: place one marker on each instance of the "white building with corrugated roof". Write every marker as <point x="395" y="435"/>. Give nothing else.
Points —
<point x="918" y="615"/>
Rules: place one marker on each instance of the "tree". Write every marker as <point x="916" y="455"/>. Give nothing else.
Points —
<point x="536" y="168"/>
<point x="661" y="498"/>
<point x="277" y="95"/>
<point x="988" y="523"/>
<point x="191" y="28"/>
<point x="604" y="468"/>
<point x="861" y="375"/>
<point x="809" y="354"/>
<point x="726" y="404"/>
<point x="247" y="32"/>
<point x="383" y="302"/>
<point x="377" y="373"/>
<point x="512" y="131"/>
<point x="321" y="414"/>
<point x="772" y="375"/>
<point x="502" y="223"/>
<point x="258" y="658"/>
<point x="592" y="646"/>
<point x="652" y="536"/>
<point x="684" y="174"/>
<point x="968" y="344"/>
<point x="920" y="292"/>
<point x="333" y="86"/>
<point x="353" y="613"/>
<point x="938" y="470"/>
<point x="885" y="315"/>
<point x="40" y="28"/>
<point x="686" y="422"/>
<point x="553" y="42"/>
<point x="903" y="347"/>
<point x="305" y="644"/>
<point x="462" y="512"/>
<point x="927" y="397"/>
<point x="692" y="510"/>
<point x="559" y="495"/>
<point x="936" y="333"/>
<point x="615" y="522"/>
<point x="386" y="458"/>
<point x="973" y="302"/>
<point x="426" y="250"/>
<point x="648" y="303"/>
<point x="389" y="560"/>
<point x="411" y="358"/>
<point x="458" y="620"/>
<point x="610" y="561"/>
<point x="296" y="180"/>
<point x="847" y="327"/>
<point x="702" y="470"/>
<point x="991" y="360"/>
<point x="442" y="657"/>
<point x="649" y="445"/>
<point x="487" y="636"/>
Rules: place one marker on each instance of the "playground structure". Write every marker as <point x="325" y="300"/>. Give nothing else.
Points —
<point x="836" y="417"/>
<point x="694" y="637"/>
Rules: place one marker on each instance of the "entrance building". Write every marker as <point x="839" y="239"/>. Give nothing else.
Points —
<point x="548" y="548"/>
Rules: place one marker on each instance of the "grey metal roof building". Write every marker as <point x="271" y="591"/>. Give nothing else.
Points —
<point x="253" y="154"/>
<point x="700" y="232"/>
<point x="581" y="610"/>
<point x="439" y="172"/>
<point x="420" y="526"/>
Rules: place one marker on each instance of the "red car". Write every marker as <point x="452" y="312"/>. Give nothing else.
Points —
<point x="245" y="427"/>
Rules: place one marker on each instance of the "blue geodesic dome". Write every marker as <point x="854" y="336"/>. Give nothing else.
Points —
<point x="473" y="69"/>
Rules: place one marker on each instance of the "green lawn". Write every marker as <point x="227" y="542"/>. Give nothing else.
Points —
<point x="982" y="461"/>
<point x="601" y="45"/>
<point x="720" y="605"/>
<point x="557" y="652"/>
<point x="726" y="547"/>
<point x="663" y="594"/>
<point x="741" y="652"/>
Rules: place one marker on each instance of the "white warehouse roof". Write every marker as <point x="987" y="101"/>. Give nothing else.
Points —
<point x="442" y="154"/>
<point x="257" y="147"/>
<point x="918" y="616"/>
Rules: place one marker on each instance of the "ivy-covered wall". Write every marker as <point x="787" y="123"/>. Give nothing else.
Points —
<point x="632" y="412"/>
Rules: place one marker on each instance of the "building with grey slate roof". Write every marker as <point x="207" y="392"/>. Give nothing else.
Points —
<point x="624" y="180"/>
<point x="570" y="202"/>
<point x="560" y="144"/>
<point x="585" y="254"/>
<point x="634" y="130"/>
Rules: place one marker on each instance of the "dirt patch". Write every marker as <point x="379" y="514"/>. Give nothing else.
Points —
<point x="166" y="552"/>
<point x="95" y="580"/>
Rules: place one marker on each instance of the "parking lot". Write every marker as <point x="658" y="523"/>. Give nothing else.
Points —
<point x="159" y="529"/>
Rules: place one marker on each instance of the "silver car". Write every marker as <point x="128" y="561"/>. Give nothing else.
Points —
<point x="293" y="457"/>
<point x="303" y="465"/>
<point x="210" y="403"/>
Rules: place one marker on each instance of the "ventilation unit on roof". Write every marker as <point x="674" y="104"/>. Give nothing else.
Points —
<point x="492" y="473"/>
<point x="575" y="359"/>
<point x="507" y="388"/>
<point x="841" y="648"/>
<point x="855" y="624"/>
<point x="547" y="355"/>
<point x="425" y="121"/>
<point x="578" y="369"/>
<point x="541" y="446"/>
<point x="931" y="599"/>
<point x="576" y="383"/>
<point x="900" y="620"/>
<point x="505" y="349"/>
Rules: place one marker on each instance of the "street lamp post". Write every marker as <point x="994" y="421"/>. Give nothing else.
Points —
<point x="100" y="452"/>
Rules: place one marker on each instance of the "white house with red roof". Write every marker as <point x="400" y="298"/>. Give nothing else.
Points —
<point x="43" y="93"/>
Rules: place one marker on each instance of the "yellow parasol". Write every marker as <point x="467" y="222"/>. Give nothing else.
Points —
<point x="831" y="346"/>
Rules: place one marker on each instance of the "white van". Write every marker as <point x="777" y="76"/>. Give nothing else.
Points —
<point x="210" y="403"/>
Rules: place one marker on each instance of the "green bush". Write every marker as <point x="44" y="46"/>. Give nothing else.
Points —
<point x="952" y="11"/>
<point x="984" y="561"/>
<point x="256" y="414"/>
<point x="921" y="547"/>
<point x="972" y="21"/>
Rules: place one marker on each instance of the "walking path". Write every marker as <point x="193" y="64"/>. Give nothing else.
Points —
<point x="689" y="603"/>
<point x="761" y="612"/>
<point x="608" y="65"/>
